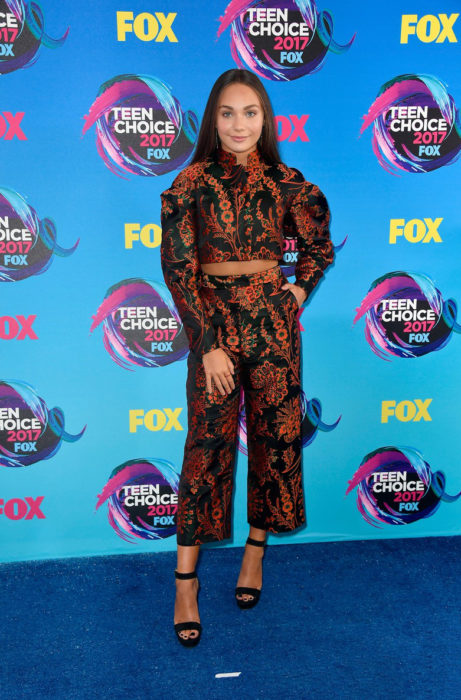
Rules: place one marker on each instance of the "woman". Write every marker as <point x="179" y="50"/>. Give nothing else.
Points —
<point x="223" y="225"/>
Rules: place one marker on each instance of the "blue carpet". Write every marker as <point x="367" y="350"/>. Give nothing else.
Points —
<point x="358" y="620"/>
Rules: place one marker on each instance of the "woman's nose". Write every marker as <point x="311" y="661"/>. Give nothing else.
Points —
<point x="238" y="123"/>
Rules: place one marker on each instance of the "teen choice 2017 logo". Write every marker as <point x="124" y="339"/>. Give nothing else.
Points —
<point x="29" y="431"/>
<point x="311" y="423"/>
<point x="142" y="499"/>
<point x="22" y="32"/>
<point x="140" y="126"/>
<point x="415" y="125"/>
<point x="280" y="39"/>
<point x="406" y="316"/>
<point x="397" y="487"/>
<point x="141" y="325"/>
<point x="27" y="243"/>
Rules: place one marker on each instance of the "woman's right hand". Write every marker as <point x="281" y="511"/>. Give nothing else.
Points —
<point x="218" y="370"/>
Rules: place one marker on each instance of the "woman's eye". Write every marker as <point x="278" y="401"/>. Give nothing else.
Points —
<point x="250" y="113"/>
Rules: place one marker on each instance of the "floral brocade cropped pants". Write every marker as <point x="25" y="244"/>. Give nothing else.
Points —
<point x="255" y="322"/>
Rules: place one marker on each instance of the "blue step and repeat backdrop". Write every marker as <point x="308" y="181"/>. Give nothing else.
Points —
<point x="100" y="106"/>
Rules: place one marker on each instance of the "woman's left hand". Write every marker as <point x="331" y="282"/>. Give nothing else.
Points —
<point x="298" y="292"/>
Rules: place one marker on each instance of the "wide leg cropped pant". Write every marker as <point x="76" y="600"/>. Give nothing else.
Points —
<point x="256" y="323"/>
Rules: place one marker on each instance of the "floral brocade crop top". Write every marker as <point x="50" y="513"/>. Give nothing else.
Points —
<point x="217" y="210"/>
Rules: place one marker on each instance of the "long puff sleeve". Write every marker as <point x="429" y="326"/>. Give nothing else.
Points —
<point x="180" y="264"/>
<point x="310" y="218"/>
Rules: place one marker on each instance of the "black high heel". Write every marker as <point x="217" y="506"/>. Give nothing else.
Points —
<point x="255" y="592"/>
<point x="192" y="625"/>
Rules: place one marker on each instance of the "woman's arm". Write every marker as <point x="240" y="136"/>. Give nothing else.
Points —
<point x="180" y="263"/>
<point x="310" y="217"/>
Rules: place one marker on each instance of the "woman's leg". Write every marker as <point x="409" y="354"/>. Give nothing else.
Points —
<point x="186" y="607"/>
<point x="206" y="481"/>
<point x="271" y="381"/>
<point x="251" y="571"/>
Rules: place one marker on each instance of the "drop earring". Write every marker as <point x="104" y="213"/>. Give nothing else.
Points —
<point x="217" y="142"/>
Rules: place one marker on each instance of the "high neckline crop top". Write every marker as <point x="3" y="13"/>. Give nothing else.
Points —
<point x="228" y="160"/>
<point x="218" y="210"/>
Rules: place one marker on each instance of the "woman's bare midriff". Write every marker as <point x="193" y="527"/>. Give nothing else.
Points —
<point x="238" y="267"/>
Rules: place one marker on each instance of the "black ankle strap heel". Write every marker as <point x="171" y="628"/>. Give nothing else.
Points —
<point x="245" y="590"/>
<point x="257" y="543"/>
<point x="189" y="574"/>
<point x="192" y="625"/>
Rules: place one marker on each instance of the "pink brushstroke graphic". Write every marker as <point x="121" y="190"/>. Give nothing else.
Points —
<point x="141" y="521"/>
<point x="392" y="149"/>
<point x="262" y="57"/>
<point x="417" y="288"/>
<point x="415" y="492"/>
<point x="126" y="152"/>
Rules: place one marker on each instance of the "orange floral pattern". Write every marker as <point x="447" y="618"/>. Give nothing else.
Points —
<point x="267" y="369"/>
<point x="217" y="210"/>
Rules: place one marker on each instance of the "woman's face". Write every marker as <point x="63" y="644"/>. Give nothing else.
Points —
<point x="239" y="120"/>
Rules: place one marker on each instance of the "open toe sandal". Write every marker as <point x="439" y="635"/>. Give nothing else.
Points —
<point x="192" y="625"/>
<point x="245" y="590"/>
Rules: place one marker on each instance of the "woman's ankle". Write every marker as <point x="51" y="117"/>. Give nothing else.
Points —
<point x="257" y="534"/>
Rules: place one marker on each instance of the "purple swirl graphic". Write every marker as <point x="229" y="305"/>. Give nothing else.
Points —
<point x="29" y="431"/>
<point x="141" y="325"/>
<point x="280" y="39"/>
<point x="142" y="497"/>
<point x="416" y="125"/>
<point x="140" y="127"/>
<point x="405" y="316"/>
<point x="27" y="244"/>
<point x="396" y="486"/>
<point x="22" y="34"/>
<point x="311" y="422"/>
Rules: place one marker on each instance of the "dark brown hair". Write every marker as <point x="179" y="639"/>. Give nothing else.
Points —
<point x="206" y="142"/>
